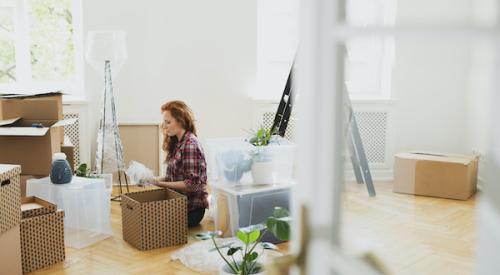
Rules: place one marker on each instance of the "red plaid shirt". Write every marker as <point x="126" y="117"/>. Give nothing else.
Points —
<point x="188" y="164"/>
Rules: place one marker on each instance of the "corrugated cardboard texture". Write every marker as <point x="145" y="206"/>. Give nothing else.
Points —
<point x="42" y="241"/>
<point x="34" y="154"/>
<point x="33" y="108"/>
<point x="20" y="150"/>
<point x="453" y="177"/>
<point x="142" y="143"/>
<point x="154" y="219"/>
<point x="69" y="151"/>
<point x="10" y="252"/>
<point x="10" y="197"/>
<point x="223" y="217"/>
<point x="33" y="206"/>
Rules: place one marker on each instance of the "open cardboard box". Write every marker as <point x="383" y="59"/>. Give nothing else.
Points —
<point x="31" y="147"/>
<point x="154" y="218"/>
<point x="34" y="206"/>
<point x="42" y="234"/>
<point x="28" y="146"/>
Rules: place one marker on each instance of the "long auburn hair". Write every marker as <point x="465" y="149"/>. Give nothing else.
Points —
<point x="184" y="116"/>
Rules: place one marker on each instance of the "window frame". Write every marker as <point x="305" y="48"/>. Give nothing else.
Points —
<point x="24" y="83"/>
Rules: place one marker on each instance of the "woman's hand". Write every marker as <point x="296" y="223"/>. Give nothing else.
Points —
<point x="149" y="181"/>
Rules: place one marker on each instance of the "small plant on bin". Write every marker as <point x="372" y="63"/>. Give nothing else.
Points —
<point x="278" y="224"/>
<point x="260" y="139"/>
<point x="262" y="136"/>
<point x="85" y="172"/>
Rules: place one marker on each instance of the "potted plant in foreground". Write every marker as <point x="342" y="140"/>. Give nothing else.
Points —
<point x="242" y="259"/>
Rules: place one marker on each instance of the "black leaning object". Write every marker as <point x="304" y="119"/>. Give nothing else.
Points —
<point x="284" y="109"/>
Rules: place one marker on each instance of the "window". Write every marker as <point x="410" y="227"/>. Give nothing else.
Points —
<point x="39" y="46"/>
<point x="368" y="64"/>
<point x="277" y="41"/>
<point x="369" y="60"/>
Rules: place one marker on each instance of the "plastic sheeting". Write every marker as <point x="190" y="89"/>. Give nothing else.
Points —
<point x="138" y="172"/>
<point x="86" y="203"/>
<point x="109" y="151"/>
<point x="202" y="257"/>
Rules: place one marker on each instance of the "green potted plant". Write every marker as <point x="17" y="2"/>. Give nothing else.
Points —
<point x="85" y="172"/>
<point x="242" y="259"/>
<point x="262" y="167"/>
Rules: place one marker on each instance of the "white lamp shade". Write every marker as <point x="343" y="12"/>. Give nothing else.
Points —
<point x="106" y="45"/>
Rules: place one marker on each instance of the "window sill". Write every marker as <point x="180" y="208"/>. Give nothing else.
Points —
<point x="75" y="100"/>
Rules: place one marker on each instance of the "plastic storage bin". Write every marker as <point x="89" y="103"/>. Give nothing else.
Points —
<point x="86" y="202"/>
<point x="241" y="205"/>
<point x="235" y="160"/>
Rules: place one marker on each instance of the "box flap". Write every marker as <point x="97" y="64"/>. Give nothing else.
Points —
<point x="441" y="157"/>
<point x="67" y="142"/>
<point x="64" y="122"/>
<point x="9" y="121"/>
<point x="14" y="94"/>
<point x="23" y="131"/>
<point x="45" y="107"/>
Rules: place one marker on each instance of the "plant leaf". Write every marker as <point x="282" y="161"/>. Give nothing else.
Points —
<point x="251" y="257"/>
<point x="232" y="250"/>
<point x="280" y="212"/>
<point x="208" y="235"/>
<point x="269" y="246"/>
<point x="279" y="227"/>
<point x="249" y="237"/>
<point x="254" y="227"/>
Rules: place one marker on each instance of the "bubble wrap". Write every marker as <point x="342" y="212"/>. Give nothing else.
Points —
<point x="201" y="257"/>
<point x="138" y="172"/>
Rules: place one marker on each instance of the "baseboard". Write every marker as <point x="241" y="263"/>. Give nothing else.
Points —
<point x="377" y="175"/>
<point x="480" y="183"/>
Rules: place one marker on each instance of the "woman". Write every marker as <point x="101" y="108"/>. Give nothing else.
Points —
<point x="186" y="165"/>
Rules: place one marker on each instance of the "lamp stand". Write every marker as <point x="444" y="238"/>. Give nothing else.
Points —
<point x="109" y="136"/>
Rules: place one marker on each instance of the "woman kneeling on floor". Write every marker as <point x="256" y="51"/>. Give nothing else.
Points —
<point x="186" y="166"/>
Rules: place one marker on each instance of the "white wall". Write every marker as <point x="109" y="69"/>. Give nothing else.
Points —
<point x="429" y="87"/>
<point x="202" y="52"/>
<point x="439" y="88"/>
<point x="482" y="75"/>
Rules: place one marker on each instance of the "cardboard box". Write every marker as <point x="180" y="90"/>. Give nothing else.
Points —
<point x="10" y="194"/>
<point x="33" y="206"/>
<point x="32" y="107"/>
<point x="450" y="176"/>
<point x="154" y="219"/>
<point x="68" y="149"/>
<point x="10" y="252"/>
<point x="31" y="147"/>
<point x="42" y="234"/>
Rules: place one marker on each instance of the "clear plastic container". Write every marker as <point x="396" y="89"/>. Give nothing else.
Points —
<point x="86" y="203"/>
<point x="240" y="205"/>
<point x="235" y="160"/>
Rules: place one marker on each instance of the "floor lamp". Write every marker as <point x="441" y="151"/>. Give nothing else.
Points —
<point x="106" y="50"/>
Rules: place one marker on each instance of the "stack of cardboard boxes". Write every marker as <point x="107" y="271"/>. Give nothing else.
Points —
<point x="31" y="131"/>
<point x="10" y="219"/>
<point x="31" y="229"/>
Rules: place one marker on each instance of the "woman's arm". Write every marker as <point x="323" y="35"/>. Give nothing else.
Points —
<point x="176" y="185"/>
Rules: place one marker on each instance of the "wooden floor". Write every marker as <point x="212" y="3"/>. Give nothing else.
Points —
<point x="115" y="256"/>
<point x="411" y="235"/>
